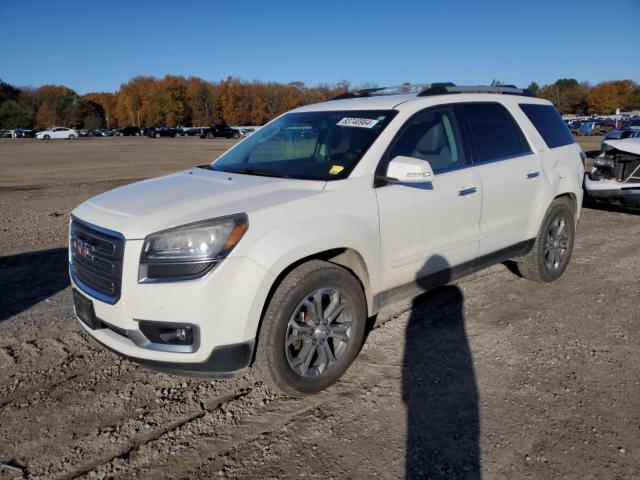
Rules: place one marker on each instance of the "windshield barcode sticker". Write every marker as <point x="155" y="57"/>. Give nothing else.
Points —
<point x="357" y="122"/>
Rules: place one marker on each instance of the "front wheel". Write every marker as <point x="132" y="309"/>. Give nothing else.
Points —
<point x="312" y="329"/>
<point x="47" y="137"/>
<point x="553" y="245"/>
<point x="209" y="135"/>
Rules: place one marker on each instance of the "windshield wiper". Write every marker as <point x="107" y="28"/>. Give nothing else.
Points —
<point x="262" y="172"/>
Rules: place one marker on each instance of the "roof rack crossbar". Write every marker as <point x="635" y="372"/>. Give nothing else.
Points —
<point x="501" y="89"/>
<point x="394" y="90"/>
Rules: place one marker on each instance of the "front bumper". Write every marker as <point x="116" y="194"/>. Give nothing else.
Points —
<point x="613" y="192"/>
<point x="225" y="306"/>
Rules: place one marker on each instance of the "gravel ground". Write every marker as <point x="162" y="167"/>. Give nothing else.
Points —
<point x="494" y="377"/>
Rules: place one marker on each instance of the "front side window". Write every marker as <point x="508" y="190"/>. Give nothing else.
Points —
<point x="431" y="135"/>
<point x="307" y="145"/>
<point x="494" y="132"/>
<point x="549" y="123"/>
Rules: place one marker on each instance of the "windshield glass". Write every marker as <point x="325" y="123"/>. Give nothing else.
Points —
<point x="308" y="145"/>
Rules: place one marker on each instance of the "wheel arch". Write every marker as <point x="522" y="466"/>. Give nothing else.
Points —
<point x="348" y="258"/>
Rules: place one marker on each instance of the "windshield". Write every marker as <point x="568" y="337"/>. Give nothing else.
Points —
<point x="308" y="145"/>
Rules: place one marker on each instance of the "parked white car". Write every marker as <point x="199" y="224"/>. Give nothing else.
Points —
<point x="58" y="133"/>
<point x="277" y="252"/>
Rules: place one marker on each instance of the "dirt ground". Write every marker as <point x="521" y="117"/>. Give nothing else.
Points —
<point x="494" y="377"/>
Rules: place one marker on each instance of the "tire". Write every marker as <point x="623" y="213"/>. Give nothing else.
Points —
<point x="47" y="137"/>
<point x="72" y="137"/>
<point x="157" y="135"/>
<point x="209" y="135"/>
<point x="553" y="245"/>
<point x="283" y="366"/>
<point x="136" y="134"/>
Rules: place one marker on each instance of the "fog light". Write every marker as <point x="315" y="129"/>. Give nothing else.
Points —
<point x="168" y="333"/>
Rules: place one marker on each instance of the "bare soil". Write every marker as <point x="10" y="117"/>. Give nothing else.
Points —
<point x="494" y="377"/>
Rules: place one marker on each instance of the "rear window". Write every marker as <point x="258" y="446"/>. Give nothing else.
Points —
<point x="549" y="124"/>
<point x="494" y="132"/>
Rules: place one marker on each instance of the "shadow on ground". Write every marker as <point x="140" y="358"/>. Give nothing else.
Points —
<point x="590" y="203"/>
<point x="29" y="278"/>
<point x="439" y="389"/>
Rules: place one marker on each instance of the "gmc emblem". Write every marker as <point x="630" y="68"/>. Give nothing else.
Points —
<point x="82" y="248"/>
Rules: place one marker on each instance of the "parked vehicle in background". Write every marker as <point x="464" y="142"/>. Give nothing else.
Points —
<point x="28" y="133"/>
<point x="24" y="133"/>
<point x="103" y="133"/>
<point x="190" y="131"/>
<point x="129" y="131"/>
<point x="279" y="251"/>
<point x="55" y="133"/>
<point x="594" y="128"/>
<point x="219" y="131"/>
<point x="630" y="129"/>
<point x="245" y="132"/>
<point x="615" y="176"/>
<point x="158" y="132"/>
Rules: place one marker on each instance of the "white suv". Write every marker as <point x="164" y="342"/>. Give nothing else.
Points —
<point x="278" y="252"/>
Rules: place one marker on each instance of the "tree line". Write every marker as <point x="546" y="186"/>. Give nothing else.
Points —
<point x="147" y="101"/>
<point x="178" y="101"/>
<point x="571" y="96"/>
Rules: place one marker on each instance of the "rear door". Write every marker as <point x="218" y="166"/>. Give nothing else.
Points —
<point x="509" y="174"/>
<point x="429" y="227"/>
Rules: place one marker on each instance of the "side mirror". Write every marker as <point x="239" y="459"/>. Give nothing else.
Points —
<point x="409" y="170"/>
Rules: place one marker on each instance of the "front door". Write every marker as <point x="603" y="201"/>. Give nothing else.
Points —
<point x="431" y="227"/>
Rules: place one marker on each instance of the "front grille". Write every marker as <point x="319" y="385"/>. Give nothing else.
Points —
<point x="96" y="260"/>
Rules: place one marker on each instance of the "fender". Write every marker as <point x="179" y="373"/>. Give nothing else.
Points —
<point x="560" y="178"/>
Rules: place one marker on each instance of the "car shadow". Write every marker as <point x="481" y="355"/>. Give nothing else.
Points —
<point x="591" y="204"/>
<point x="29" y="278"/>
<point x="439" y="389"/>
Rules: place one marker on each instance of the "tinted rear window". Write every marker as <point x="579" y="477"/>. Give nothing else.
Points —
<point x="494" y="132"/>
<point x="549" y="124"/>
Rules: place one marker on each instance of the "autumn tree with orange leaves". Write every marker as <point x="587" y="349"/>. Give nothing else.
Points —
<point x="178" y="101"/>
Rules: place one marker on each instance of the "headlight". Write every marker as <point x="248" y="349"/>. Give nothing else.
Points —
<point x="191" y="250"/>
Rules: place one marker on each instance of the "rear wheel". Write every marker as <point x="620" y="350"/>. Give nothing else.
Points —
<point x="157" y="135"/>
<point x="209" y="135"/>
<point x="312" y="329"/>
<point x="72" y="137"/>
<point x="553" y="245"/>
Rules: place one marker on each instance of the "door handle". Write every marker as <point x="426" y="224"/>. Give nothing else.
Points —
<point x="533" y="174"/>
<point x="467" y="191"/>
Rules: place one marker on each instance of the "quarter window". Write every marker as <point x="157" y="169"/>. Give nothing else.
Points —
<point x="549" y="124"/>
<point x="432" y="136"/>
<point x="494" y="132"/>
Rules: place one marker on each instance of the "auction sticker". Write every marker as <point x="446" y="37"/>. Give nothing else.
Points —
<point x="357" y="122"/>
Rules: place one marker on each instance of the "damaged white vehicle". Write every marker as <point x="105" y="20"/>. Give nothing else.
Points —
<point x="615" y="177"/>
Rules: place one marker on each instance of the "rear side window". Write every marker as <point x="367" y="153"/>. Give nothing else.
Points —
<point x="494" y="132"/>
<point x="549" y="124"/>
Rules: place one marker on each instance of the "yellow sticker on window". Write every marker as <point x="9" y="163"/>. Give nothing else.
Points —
<point x="336" y="169"/>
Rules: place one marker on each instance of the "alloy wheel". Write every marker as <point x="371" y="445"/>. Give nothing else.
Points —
<point x="318" y="332"/>
<point x="557" y="243"/>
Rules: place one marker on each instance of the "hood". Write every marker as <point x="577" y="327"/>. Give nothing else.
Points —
<point x="628" y="145"/>
<point x="145" y="207"/>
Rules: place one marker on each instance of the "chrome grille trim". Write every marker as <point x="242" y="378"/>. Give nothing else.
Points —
<point x="95" y="260"/>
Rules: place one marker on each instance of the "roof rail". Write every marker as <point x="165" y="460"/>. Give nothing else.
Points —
<point x="502" y="89"/>
<point x="394" y="90"/>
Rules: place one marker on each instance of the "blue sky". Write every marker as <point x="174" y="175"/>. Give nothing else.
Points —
<point x="96" y="46"/>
